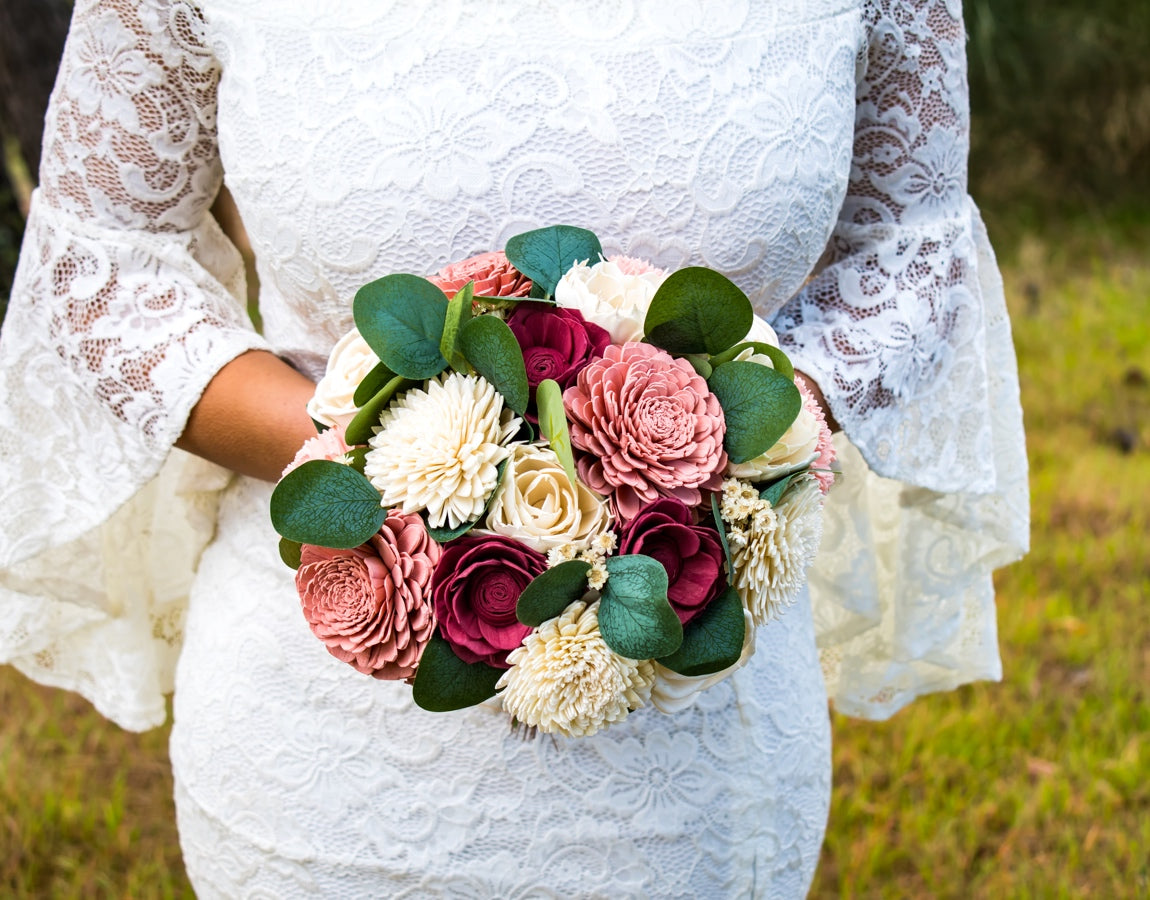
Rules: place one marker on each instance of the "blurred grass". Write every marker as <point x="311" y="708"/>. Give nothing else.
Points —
<point x="1035" y="787"/>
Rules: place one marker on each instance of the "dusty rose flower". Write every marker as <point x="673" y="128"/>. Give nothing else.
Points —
<point x="630" y="265"/>
<point x="691" y="554"/>
<point x="649" y="427"/>
<point x="556" y="342"/>
<point x="824" y="448"/>
<point x="371" y="606"/>
<point x="329" y="444"/>
<point x="475" y="589"/>
<point x="493" y="275"/>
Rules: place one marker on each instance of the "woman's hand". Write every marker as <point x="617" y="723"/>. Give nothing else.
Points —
<point x="252" y="417"/>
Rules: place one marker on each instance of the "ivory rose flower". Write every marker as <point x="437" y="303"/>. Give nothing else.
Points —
<point x="539" y="506"/>
<point x="493" y="275"/>
<point x="371" y="606"/>
<point x="648" y="427"/>
<point x="350" y="360"/>
<point x="438" y="449"/>
<point x="609" y="297"/>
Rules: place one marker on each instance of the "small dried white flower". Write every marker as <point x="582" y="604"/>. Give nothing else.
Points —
<point x="564" y="678"/>
<point x="438" y="449"/>
<point x="772" y="551"/>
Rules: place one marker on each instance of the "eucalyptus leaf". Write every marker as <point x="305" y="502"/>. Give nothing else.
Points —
<point x="553" y="424"/>
<point x="489" y="345"/>
<point x="361" y="429"/>
<point x="458" y="315"/>
<point x="327" y="504"/>
<point x="372" y="384"/>
<point x="713" y="640"/>
<point x="635" y="617"/>
<point x="358" y="457"/>
<point x="545" y="255"/>
<point x="443" y="535"/>
<point x="759" y="405"/>
<point x="779" y="360"/>
<point x="552" y="591"/>
<point x="721" y="528"/>
<point x="401" y="318"/>
<point x="773" y="492"/>
<point x="697" y="310"/>
<point x="444" y="682"/>
<point x="290" y="552"/>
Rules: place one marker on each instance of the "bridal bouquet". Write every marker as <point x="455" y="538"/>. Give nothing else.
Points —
<point x="573" y="483"/>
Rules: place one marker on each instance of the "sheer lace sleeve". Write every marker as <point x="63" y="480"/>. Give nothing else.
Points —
<point x="127" y="300"/>
<point x="904" y="328"/>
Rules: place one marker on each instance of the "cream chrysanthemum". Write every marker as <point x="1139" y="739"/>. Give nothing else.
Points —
<point x="565" y="678"/>
<point x="438" y="449"/>
<point x="772" y="547"/>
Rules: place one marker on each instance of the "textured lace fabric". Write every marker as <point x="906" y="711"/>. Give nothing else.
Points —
<point x="814" y="150"/>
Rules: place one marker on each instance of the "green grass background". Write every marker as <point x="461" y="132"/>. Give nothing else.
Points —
<point x="1033" y="787"/>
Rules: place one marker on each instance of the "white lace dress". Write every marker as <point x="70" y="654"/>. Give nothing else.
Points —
<point x="812" y="149"/>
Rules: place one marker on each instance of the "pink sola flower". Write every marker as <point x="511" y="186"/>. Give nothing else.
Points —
<point x="493" y="275"/>
<point x="649" y="427"/>
<point x="329" y="444"/>
<point x="630" y="265"/>
<point x="824" y="447"/>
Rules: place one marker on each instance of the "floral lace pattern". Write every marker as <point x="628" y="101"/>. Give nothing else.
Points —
<point x="812" y="149"/>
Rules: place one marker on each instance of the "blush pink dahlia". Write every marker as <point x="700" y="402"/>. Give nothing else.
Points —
<point x="493" y="275"/>
<point x="371" y="606"/>
<point x="329" y="444"/>
<point x="824" y="447"/>
<point x="648" y="427"/>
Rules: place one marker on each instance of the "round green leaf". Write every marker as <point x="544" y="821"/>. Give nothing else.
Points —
<point x="372" y="384"/>
<point x="491" y="348"/>
<point x="401" y="318"/>
<point x="327" y="504"/>
<point x="697" y="310"/>
<point x="759" y="405"/>
<point x="713" y="640"/>
<point x="635" y="617"/>
<point x="779" y="360"/>
<point x="545" y="255"/>
<point x="289" y="552"/>
<point x="553" y="423"/>
<point x="444" y="682"/>
<point x="361" y="429"/>
<point x="458" y="315"/>
<point x="721" y="528"/>
<point x="552" y="591"/>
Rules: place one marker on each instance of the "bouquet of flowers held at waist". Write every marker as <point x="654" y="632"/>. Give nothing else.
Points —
<point x="575" y="487"/>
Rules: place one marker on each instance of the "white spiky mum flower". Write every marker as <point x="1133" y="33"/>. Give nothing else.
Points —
<point x="772" y="549"/>
<point x="438" y="449"/>
<point x="565" y="678"/>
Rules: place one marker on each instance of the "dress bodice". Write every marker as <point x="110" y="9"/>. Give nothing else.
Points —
<point x="420" y="133"/>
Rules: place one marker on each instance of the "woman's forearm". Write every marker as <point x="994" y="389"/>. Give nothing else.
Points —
<point x="252" y="417"/>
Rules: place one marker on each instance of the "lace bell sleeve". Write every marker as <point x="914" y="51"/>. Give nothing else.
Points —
<point x="127" y="300"/>
<point x="904" y="327"/>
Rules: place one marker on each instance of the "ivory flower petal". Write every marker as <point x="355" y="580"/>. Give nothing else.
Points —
<point x="347" y="365"/>
<point x="539" y="506"/>
<point x="565" y="678"/>
<point x="438" y="449"/>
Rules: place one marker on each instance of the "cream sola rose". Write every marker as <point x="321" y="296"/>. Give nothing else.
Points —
<point x="350" y="361"/>
<point x="613" y="294"/>
<point x="438" y="449"/>
<point x="564" y="678"/>
<point x="539" y="506"/>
